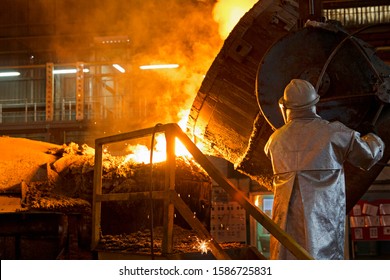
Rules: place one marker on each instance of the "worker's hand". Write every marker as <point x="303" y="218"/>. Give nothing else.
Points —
<point x="366" y="128"/>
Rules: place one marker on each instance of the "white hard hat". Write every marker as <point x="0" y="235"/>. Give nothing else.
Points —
<point x="299" y="94"/>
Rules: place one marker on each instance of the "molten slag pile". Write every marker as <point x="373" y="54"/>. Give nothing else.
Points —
<point x="60" y="179"/>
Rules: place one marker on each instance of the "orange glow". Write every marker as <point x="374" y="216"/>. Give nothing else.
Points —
<point x="257" y="200"/>
<point x="202" y="245"/>
<point x="141" y="154"/>
<point x="227" y="13"/>
<point x="138" y="153"/>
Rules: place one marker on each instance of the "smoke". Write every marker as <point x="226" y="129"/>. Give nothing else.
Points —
<point x="188" y="33"/>
<point x="163" y="32"/>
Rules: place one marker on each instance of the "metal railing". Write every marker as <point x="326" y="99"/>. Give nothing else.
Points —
<point x="24" y="98"/>
<point x="23" y="111"/>
<point x="357" y="16"/>
<point x="172" y="199"/>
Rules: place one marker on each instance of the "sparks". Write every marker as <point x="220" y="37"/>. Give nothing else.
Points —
<point x="202" y="245"/>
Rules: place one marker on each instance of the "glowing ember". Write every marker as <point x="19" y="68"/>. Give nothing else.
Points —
<point x="202" y="245"/>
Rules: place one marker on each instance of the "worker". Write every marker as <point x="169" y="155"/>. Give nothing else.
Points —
<point x="307" y="155"/>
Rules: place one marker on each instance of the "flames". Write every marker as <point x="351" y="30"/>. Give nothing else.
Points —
<point x="141" y="153"/>
<point x="227" y="13"/>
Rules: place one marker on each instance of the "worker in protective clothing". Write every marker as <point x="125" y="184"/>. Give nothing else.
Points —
<point x="307" y="155"/>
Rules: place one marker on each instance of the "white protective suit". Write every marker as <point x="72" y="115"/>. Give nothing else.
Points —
<point x="307" y="155"/>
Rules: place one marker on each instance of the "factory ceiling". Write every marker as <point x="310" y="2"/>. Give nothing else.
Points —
<point x="34" y="32"/>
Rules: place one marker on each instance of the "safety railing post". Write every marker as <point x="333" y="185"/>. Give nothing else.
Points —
<point x="97" y="191"/>
<point x="170" y="169"/>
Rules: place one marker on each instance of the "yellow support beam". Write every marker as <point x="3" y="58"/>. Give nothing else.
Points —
<point x="170" y="175"/>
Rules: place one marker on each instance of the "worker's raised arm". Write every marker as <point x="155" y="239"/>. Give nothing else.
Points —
<point x="365" y="150"/>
